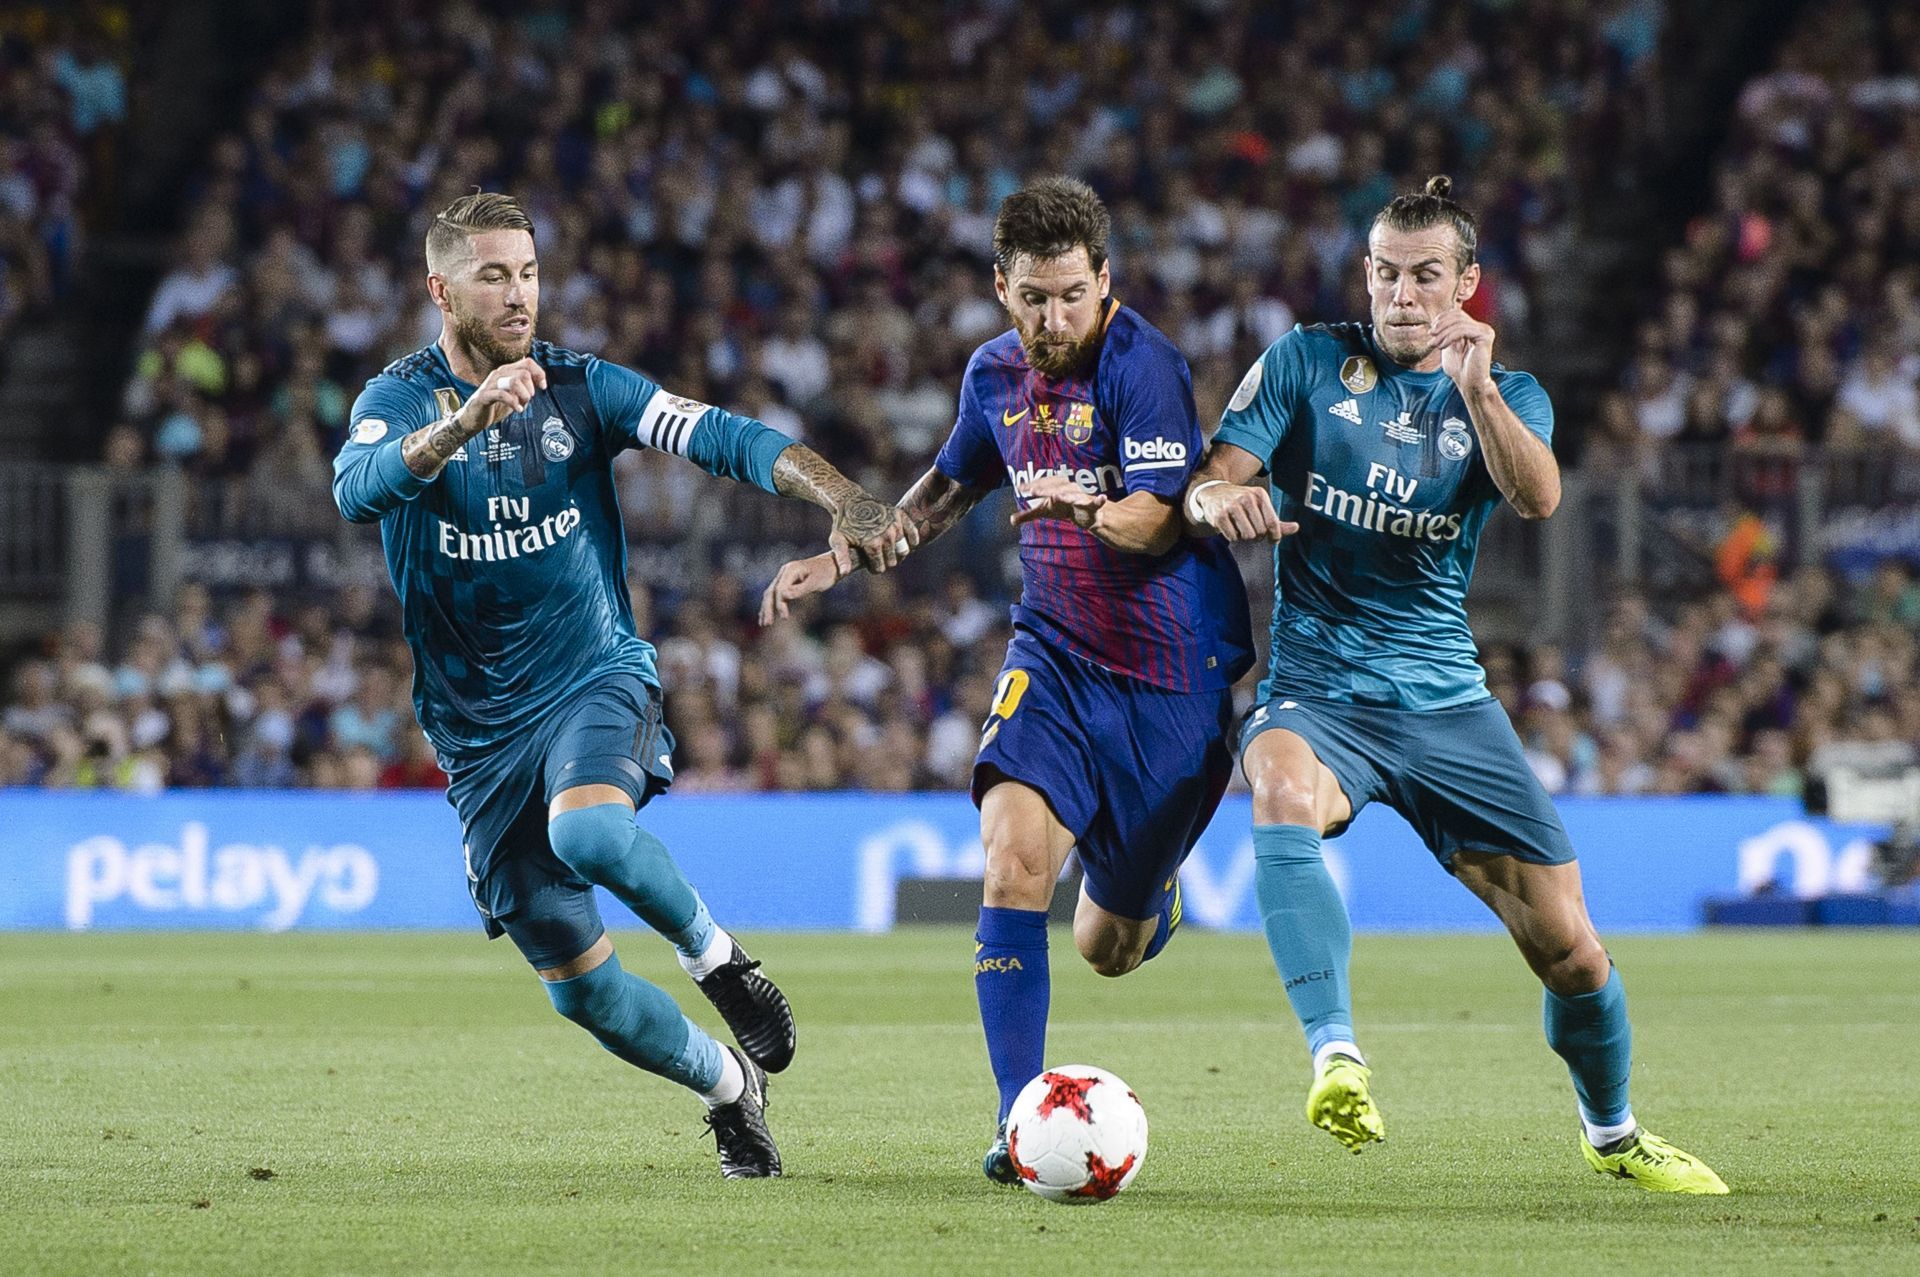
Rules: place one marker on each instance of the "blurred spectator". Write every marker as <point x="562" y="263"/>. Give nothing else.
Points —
<point x="1792" y="301"/>
<point x="63" y="98"/>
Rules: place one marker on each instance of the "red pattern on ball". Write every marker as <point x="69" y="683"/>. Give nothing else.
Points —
<point x="1067" y="1092"/>
<point x="1013" y="1155"/>
<point x="1103" y="1181"/>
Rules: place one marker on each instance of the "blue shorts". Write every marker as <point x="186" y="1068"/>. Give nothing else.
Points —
<point x="610" y="732"/>
<point x="1133" y="771"/>
<point x="1458" y="775"/>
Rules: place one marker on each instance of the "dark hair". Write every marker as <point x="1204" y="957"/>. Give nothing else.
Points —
<point x="1053" y="216"/>
<point x="1433" y="206"/>
<point x="480" y="211"/>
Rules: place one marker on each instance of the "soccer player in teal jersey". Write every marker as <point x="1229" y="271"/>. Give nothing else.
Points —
<point x="486" y="458"/>
<point x="1390" y="444"/>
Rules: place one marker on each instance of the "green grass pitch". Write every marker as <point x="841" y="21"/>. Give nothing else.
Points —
<point x="408" y="1104"/>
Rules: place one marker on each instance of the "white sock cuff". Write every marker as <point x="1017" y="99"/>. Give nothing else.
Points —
<point x="1601" y="1136"/>
<point x="1332" y="1049"/>
<point x="732" y="1084"/>
<point x="712" y="958"/>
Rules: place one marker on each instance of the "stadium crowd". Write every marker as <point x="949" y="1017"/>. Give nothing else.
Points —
<point x="792" y="216"/>
<point x="63" y="96"/>
<point x="888" y="691"/>
<point x="795" y="224"/>
<point x="1789" y="315"/>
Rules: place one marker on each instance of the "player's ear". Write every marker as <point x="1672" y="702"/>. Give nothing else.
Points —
<point x="1469" y="284"/>
<point x="1106" y="280"/>
<point x="437" y="290"/>
<point x="1000" y="285"/>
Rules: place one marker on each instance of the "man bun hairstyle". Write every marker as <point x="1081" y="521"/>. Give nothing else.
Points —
<point x="1433" y="206"/>
<point x="469" y="215"/>
<point x="1052" y="217"/>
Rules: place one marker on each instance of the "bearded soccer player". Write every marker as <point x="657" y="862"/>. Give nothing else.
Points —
<point x="1109" y="725"/>
<point x="486" y="458"/>
<point x="1390" y="444"/>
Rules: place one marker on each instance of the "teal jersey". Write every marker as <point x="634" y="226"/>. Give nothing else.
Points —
<point x="1382" y="469"/>
<point x="511" y="563"/>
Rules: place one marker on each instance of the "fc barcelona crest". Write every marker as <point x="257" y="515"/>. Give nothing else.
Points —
<point x="1078" y="426"/>
<point x="1358" y="374"/>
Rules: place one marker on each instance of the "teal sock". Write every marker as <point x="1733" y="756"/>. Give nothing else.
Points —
<point x="1591" y="1033"/>
<point x="604" y="846"/>
<point x="639" y="1023"/>
<point x="1307" y="929"/>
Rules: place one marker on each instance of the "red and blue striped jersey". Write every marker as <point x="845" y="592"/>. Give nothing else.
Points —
<point x="1176" y="620"/>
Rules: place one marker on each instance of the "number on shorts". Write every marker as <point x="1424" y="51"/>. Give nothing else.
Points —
<point x="1007" y="693"/>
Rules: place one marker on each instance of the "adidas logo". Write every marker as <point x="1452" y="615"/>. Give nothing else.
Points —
<point x="1347" y="410"/>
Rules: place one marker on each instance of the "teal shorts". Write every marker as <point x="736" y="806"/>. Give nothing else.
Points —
<point x="1458" y="775"/>
<point x="610" y="732"/>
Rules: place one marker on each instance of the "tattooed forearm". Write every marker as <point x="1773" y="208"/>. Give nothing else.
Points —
<point x="936" y="503"/>
<point x="860" y="519"/>
<point x="801" y="472"/>
<point x="427" y="449"/>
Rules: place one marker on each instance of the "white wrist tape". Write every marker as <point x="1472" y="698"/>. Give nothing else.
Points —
<point x="1193" y="508"/>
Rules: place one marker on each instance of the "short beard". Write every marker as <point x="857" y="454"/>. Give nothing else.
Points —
<point x="1399" y="354"/>
<point x="1057" y="359"/>
<point x="477" y="336"/>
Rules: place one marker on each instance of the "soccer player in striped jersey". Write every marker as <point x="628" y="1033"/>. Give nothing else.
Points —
<point x="486" y="458"/>
<point x="1109" y="726"/>
<point x="1391" y="444"/>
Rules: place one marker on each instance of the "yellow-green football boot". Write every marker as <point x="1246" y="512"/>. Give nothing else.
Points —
<point x="1655" y="1165"/>
<point x="1341" y="1104"/>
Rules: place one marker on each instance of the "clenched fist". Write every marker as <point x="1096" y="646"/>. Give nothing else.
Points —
<point x="507" y="390"/>
<point x="1238" y="512"/>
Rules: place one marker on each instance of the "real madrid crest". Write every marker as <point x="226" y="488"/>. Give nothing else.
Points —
<point x="1358" y="374"/>
<point x="1455" y="442"/>
<point x="556" y="441"/>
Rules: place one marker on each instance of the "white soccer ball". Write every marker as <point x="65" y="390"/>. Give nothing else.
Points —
<point x="1077" y="1134"/>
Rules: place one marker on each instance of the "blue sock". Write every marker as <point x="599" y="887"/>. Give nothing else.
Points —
<point x="1169" y="921"/>
<point x="604" y="846"/>
<point x="1010" y="979"/>
<point x="1307" y="929"/>
<point x="1590" y="1032"/>
<point x="639" y="1023"/>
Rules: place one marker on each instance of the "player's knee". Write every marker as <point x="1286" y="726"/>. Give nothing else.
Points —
<point x="1281" y="796"/>
<point x="1107" y="950"/>
<point x="1111" y="962"/>
<point x="594" y="842"/>
<point x="588" y="1000"/>
<point x="1572" y="967"/>
<point x="1016" y="873"/>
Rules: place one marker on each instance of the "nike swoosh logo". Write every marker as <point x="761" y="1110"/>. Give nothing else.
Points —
<point x="1010" y="418"/>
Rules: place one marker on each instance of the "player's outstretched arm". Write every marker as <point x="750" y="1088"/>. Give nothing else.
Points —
<point x="867" y="532"/>
<point x="796" y="579"/>
<point x="1139" y="523"/>
<point x="932" y="505"/>
<point x="1222" y="498"/>
<point x="936" y="502"/>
